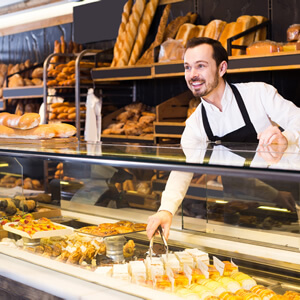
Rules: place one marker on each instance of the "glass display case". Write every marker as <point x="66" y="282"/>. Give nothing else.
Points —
<point x="240" y="201"/>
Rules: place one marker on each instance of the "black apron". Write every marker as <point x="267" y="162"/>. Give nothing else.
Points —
<point x="247" y="133"/>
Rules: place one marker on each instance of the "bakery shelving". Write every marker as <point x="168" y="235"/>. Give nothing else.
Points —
<point x="237" y="64"/>
<point x="23" y="92"/>
<point x="76" y="90"/>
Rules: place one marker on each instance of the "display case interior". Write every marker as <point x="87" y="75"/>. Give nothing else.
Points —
<point x="241" y="205"/>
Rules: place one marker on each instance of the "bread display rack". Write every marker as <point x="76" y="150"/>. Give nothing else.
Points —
<point x="76" y="91"/>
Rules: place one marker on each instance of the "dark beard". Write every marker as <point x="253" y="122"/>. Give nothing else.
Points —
<point x="209" y="89"/>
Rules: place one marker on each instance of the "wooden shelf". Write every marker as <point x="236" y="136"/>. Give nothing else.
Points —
<point x="23" y="92"/>
<point x="270" y="62"/>
<point x="125" y="73"/>
<point x="237" y="64"/>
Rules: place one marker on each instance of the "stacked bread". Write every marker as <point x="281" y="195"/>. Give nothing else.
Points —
<point x="221" y="30"/>
<point x="27" y="127"/>
<point x="135" y="120"/>
<point x="65" y="111"/>
<point x="134" y="27"/>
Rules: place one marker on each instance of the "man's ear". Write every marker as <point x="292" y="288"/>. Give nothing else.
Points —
<point x="223" y="68"/>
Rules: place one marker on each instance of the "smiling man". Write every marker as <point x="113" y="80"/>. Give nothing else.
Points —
<point x="243" y="112"/>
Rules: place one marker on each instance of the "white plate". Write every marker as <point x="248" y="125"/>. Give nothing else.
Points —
<point x="39" y="234"/>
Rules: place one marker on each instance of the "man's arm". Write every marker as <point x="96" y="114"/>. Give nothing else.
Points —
<point x="175" y="190"/>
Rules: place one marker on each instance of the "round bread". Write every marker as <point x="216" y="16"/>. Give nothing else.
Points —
<point x="124" y="223"/>
<point x="139" y="226"/>
<point x="123" y="229"/>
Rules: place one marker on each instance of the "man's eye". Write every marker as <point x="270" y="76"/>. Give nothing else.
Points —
<point x="187" y="68"/>
<point x="200" y="66"/>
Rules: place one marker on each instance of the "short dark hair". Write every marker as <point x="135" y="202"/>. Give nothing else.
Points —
<point x="219" y="52"/>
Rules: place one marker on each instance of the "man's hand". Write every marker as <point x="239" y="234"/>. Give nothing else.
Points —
<point x="163" y="218"/>
<point x="272" y="135"/>
<point x="271" y="154"/>
<point x="286" y="200"/>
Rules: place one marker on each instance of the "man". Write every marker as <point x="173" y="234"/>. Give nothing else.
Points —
<point x="244" y="112"/>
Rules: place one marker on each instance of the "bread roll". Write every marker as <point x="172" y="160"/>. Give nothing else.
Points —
<point x="26" y="121"/>
<point x="148" y="56"/>
<point x="143" y="31"/>
<point x="37" y="73"/>
<point x="131" y="31"/>
<point x="243" y="23"/>
<point x="124" y="21"/>
<point x="214" y="29"/>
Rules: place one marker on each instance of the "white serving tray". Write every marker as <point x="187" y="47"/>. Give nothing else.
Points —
<point x="39" y="234"/>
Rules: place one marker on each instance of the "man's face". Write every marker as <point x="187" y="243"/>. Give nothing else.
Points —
<point x="201" y="72"/>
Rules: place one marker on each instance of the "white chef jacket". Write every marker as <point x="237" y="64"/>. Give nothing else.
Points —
<point x="264" y="106"/>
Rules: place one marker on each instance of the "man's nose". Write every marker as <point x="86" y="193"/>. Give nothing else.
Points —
<point x="193" y="73"/>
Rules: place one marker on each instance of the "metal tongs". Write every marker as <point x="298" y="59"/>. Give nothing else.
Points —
<point x="159" y="228"/>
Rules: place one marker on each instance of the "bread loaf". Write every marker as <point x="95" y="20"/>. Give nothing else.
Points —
<point x="148" y="56"/>
<point x="174" y="25"/>
<point x="260" y="34"/>
<point x="124" y="20"/>
<point x="243" y="23"/>
<point x="39" y="132"/>
<point x="143" y="31"/>
<point x="62" y="130"/>
<point x="26" y="121"/>
<point x="188" y="31"/>
<point x="227" y="33"/>
<point x="130" y="32"/>
<point x="214" y="29"/>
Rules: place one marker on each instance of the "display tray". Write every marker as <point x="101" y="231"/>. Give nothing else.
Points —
<point x="41" y="142"/>
<point x="108" y="235"/>
<point x="40" y="234"/>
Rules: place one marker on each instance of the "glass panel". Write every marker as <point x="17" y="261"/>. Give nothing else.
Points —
<point x="11" y="185"/>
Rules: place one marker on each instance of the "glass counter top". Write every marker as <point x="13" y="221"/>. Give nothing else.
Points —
<point x="226" y="155"/>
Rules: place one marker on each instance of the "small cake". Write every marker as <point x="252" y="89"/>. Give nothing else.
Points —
<point x="184" y="259"/>
<point x="121" y="271"/>
<point x="162" y="282"/>
<point x="229" y="296"/>
<point x="197" y="254"/>
<point x="246" y="295"/>
<point x="216" y="287"/>
<point x="263" y="292"/>
<point x="229" y="268"/>
<point x="230" y="284"/>
<point x="202" y="291"/>
<point x="245" y="280"/>
<point x="197" y="275"/>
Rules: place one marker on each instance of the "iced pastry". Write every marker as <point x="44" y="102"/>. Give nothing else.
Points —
<point x="263" y="292"/>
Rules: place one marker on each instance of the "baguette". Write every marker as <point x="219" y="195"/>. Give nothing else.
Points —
<point x="131" y="31"/>
<point x="143" y="31"/>
<point x="148" y="56"/>
<point x="124" y="21"/>
<point x="26" y="121"/>
<point x="39" y="132"/>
